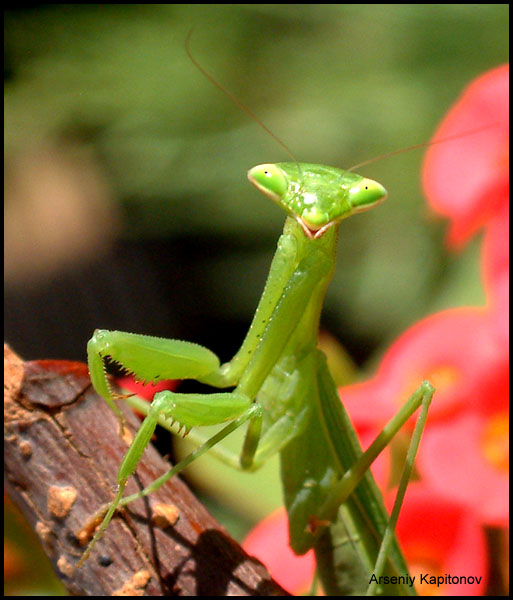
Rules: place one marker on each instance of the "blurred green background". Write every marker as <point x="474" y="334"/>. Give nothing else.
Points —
<point x="127" y="204"/>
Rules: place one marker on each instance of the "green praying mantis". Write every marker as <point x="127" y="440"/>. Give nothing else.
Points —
<point x="283" y="391"/>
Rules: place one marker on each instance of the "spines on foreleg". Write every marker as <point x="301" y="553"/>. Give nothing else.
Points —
<point x="146" y="358"/>
<point x="151" y="358"/>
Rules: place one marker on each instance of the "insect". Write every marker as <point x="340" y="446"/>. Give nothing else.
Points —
<point x="282" y="390"/>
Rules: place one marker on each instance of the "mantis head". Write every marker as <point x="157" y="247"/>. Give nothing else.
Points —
<point x="317" y="196"/>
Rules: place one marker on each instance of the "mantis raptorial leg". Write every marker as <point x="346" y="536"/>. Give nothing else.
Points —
<point x="283" y="389"/>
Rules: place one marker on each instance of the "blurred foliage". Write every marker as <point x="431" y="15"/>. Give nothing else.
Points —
<point x="339" y="83"/>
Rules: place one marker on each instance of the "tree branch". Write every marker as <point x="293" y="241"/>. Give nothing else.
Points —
<point x="62" y="453"/>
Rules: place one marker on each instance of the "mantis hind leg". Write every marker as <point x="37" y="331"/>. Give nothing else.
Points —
<point x="357" y="488"/>
<point x="426" y="390"/>
<point x="352" y="476"/>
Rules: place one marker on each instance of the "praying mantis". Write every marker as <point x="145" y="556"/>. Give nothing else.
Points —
<point x="283" y="391"/>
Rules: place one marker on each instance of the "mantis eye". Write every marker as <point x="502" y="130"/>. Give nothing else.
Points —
<point x="269" y="179"/>
<point x="366" y="194"/>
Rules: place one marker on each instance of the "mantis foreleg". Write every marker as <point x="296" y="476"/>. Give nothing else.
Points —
<point x="237" y="408"/>
<point x="152" y="358"/>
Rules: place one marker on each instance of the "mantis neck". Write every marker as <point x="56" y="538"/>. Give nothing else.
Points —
<point x="305" y="335"/>
<point x="297" y="258"/>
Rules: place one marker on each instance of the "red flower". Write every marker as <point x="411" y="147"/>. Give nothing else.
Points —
<point x="453" y="349"/>
<point x="495" y="268"/>
<point x="269" y="542"/>
<point x="466" y="460"/>
<point x="440" y="538"/>
<point x="146" y="390"/>
<point x="467" y="179"/>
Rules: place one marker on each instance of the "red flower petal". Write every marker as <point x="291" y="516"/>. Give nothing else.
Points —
<point x="146" y="390"/>
<point x="269" y="542"/>
<point x="440" y="537"/>
<point x="453" y="349"/>
<point x="467" y="179"/>
<point x="466" y="460"/>
<point x="495" y="267"/>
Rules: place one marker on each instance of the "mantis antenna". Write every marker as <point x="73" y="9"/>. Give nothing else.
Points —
<point x="423" y="145"/>
<point x="448" y="138"/>
<point x="236" y="101"/>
